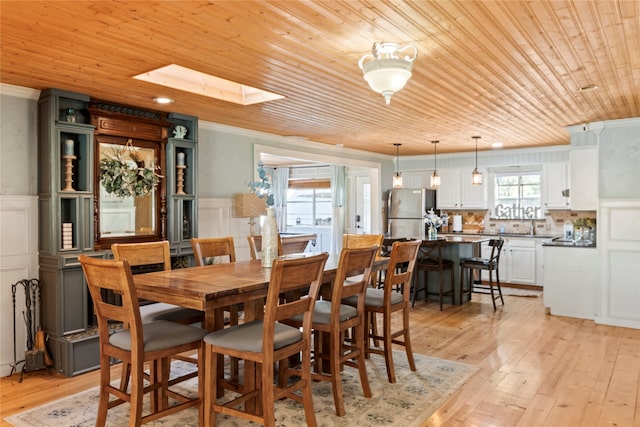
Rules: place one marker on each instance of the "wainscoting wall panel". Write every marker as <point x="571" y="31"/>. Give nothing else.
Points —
<point x="215" y="219"/>
<point x="18" y="260"/>
<point x="619" y="245"/>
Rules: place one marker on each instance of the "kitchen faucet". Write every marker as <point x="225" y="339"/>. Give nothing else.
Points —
<point x="532" y="230"/>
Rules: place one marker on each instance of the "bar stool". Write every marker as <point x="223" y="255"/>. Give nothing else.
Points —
<point x="477" y="264"/>
<point x="432" y="260"/>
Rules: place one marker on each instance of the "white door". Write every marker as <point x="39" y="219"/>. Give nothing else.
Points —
<point x="363" y="205"/>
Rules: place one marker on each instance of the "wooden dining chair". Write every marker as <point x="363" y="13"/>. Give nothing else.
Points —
<point x="255" y="246"/>
<point x="388" y="300"/>
<point x="363" y="241"/>
<point x="332" y="319"/>
<point x="146" y="257"/>
<point x="431" y="260"/>
<point x="155" y="256"/>
<point x="141" y="343"/>
<point x="205" y="249"/>
<point x="267" y="341"/>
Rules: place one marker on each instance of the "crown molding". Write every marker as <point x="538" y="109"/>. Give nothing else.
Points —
<point x="19" y="91"/>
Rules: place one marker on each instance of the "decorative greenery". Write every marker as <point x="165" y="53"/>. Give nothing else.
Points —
<point x="122" y="179"/>
<point x="433" y="220"/>
<point x="263" y="187"/>
<point x="584" y="223"/>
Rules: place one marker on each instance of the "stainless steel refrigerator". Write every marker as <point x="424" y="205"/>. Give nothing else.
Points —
<point x="407" y="207"/>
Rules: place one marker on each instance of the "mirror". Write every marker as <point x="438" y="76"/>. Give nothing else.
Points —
<point x="128" y="185"/>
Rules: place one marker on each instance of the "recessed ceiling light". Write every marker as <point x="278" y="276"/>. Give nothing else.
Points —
<point x="181" y="78"/>
<point x="587" y="88"/>
<point x="497" y="145"/>
<point x="162" y="100"/>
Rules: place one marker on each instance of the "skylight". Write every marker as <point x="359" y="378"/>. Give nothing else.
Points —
<point x="188" y="80"/>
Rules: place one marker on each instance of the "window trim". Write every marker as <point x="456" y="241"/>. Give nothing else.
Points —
<point x="520" y="212"/>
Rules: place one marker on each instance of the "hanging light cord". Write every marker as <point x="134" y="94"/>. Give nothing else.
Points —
<point x="476" y="138"/>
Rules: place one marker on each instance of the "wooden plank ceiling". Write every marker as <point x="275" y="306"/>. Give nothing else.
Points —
<point x="508" y="71"/>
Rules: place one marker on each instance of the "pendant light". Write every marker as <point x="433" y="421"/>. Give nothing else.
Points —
<point x="435" y="178"/>
<point x="476" y="176"/>
<point x="397" y="178"/>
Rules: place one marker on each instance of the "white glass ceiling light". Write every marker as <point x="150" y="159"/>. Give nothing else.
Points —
<point x="385" y="72"/>
<point x="435" y="178"/>
<point x="476" y="176"/>
<point x="397" y="178"/>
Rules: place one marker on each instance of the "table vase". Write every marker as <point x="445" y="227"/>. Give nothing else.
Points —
<point x="432" y="233"/>
<point x="269" y="239"/>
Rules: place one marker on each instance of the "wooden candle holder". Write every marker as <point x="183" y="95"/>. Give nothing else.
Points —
<point x="68" y="173"/>
<point x="180" y="180"/>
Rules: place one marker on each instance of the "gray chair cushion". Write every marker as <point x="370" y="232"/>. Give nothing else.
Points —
<point x="322" y="313"/>
<point x="159" y="336"/>
<point x="162" y="311"/>
<point x="375" y="298"/>
<point x="248" y="336"/>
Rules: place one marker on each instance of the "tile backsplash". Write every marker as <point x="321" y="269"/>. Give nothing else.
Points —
<point x="551" y="225"/>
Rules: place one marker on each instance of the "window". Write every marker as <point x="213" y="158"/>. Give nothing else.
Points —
<point x="518" y="195"/>
<point x="309" y="207"/>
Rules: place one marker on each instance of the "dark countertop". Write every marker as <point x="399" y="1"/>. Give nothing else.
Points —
<point x="568" y="244"/>
<point x="450" y="238"/>
<point x="490" y="235"/>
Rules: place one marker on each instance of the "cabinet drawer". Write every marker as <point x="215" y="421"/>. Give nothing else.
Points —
<point x="129" y="129"/>
<point x="522" y="243"/>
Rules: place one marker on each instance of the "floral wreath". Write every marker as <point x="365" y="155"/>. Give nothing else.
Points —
<point x="120" y="178"/>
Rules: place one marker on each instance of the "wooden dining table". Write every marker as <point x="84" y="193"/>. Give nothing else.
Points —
<point x="211" y="288"/>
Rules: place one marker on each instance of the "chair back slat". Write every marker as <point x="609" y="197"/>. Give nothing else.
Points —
<point x="354" y="271"/>
<point x="293" y="288"/>
<point x="362" y="241"/>
<point x="496" y="250"/>
<point x="113" y="275"/>
<point x="402" y="263"/>
<point x="431" y="250"/>
<point x="204" y="248"/>
<point x="255" y="246"/>
<point x="142" y="254"/>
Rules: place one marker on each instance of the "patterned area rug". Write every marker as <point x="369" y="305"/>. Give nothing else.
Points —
<point x="407" y="403"/>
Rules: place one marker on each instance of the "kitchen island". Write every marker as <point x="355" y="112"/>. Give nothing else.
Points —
<point x="456" y="248"/>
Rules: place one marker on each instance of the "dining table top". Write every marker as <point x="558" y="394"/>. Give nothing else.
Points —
<point x="213" y="287"/>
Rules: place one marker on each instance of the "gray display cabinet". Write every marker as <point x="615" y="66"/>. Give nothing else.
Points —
<point x="67" y="204"/>
<point x="182" y="156"/>
<point x="65" y="228"/>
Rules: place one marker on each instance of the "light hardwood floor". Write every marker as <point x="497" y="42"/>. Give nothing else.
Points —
<point x="535" y="369"/>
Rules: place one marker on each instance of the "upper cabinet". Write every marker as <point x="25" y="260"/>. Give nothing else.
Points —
<point x="584" y="178"/>
<point x="457" y="192"/>
<point x="555" y="182"/>
<point x="65" y="173"/>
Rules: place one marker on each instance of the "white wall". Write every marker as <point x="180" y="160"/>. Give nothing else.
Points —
<point x="18" y="260"/>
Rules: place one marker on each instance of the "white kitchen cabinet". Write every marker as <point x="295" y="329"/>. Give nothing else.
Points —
<point x="518" y="261"/>
<point x="457" y="192"/>
<point x="555" y="180"/>
<point x="522" y="261"/>
<point x="570" y="280"/>
<point x="584" y="178"/>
